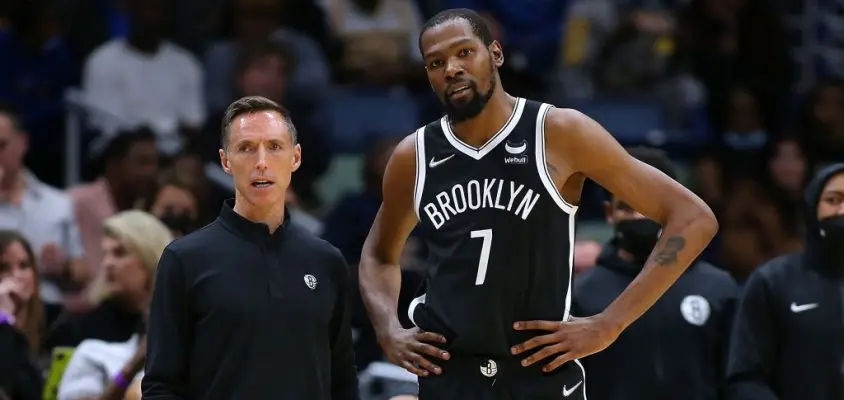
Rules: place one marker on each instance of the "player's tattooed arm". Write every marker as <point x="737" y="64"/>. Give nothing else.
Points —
<point x="667" y="254"/>
<point x="583" y="148"/>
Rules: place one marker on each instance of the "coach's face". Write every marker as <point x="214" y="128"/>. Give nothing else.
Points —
<point x="261" y="157"/>
<point x="461" y="69"/>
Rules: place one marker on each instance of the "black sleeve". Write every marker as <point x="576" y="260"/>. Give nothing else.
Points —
<point x="344" y="378"/>
<point x="752" y="343"/>
<point x="169" y="333"/>
<point x="19" y="379"/>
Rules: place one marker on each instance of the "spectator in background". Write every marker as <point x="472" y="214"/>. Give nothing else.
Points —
<point x="531" y="31"/>
<point x="17" y="262"/>
<point x="19" y="378"/>
<point x="176" y="203"/>
<point x="41" y="213"/>
<point x="737" y="149"/>
<point x="762" y="217"/>
<point x="727" y="42"/>
<point x="786" y="343"/>
<point x="132" y="243"/>
<point x="346" y="227"/>
<point x="130" y="163"/>
<point x="348" y="223"/>
<point x="87" y="25"/>
<point x="104" y="364"/>
<point x="300" y="217"/>
<point x="379" y="39"/>
<point x="823" y="121"/>
<point x="264" y="69"/>
<point x="254" y="21"/>
<point x="36" y="70"/>
<point x="146" y="80"/>
<point x="679" y="346"/>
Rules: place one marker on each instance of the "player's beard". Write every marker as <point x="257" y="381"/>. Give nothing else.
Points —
<point x="470" y="109"/>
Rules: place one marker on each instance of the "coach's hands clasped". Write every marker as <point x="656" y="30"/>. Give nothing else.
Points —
<point x="570" y="340"/>
<point x="408" y="348"/>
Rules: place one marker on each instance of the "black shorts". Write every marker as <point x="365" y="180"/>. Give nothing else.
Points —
<point x="471" y="378"/>
<point x="479" y="378"/>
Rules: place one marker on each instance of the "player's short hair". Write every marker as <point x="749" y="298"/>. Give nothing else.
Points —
<point x="655" y="158"/>
<point x="479" y="25"/>
<point x="254" y="104"/>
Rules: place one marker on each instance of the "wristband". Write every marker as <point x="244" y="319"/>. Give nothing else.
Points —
<point x="120" y="381"/>
<point x="6" y="319"/>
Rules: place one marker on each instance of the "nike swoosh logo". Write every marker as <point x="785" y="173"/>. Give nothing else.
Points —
<point x="567" y="392"/>
<point x="515" y="150"/>
<point x="434" y="162"/>
<point x="795" y="308"/>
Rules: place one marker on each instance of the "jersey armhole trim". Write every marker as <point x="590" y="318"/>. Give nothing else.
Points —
<point x="542" y="165"/>
<point x="419" y="185"/>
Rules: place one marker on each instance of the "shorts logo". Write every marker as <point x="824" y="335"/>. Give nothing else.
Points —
<point x="489" y="369"/>
<point x="695" y="309"/>
<point x="311" y="281"/>
<point x="517" y="153"/>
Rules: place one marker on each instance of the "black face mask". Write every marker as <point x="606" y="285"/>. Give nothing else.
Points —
<point x="637" y="237"/>
<point x="181" y="223"/>
<point x="832" y="239"/>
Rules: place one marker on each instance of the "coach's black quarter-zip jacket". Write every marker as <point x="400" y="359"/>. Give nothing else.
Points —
<point x="676" y="350"/>
<point x="787" y="339"/>
<point x="242" y="314"/>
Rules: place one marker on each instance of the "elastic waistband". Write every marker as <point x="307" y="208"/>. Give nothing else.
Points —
<point x="506" y="370"/>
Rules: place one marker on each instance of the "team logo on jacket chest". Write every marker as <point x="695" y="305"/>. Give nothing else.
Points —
<point x="695" y="309"/>
<point x="477" y="194"/>
<point x="516" y="152"/>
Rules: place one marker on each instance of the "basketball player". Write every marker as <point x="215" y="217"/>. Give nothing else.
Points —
<point x="494" y="186"/>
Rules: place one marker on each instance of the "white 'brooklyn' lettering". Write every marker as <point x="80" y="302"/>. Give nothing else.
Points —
<point x="492" y="193"/>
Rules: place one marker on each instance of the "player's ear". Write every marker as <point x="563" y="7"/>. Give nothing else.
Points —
<point x="224" y="161"/>
<point x="608" y="213"/>
<point x="296" y="161"/>
<point x="497" y="53"/>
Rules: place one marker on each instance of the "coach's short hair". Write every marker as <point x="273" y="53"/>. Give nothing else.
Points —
<point x="479" y="25"/>
<point x="254" y="104"/>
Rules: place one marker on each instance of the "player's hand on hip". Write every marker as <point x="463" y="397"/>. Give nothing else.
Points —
<point x="409" y="349"/>
<point x="565" y="341"/>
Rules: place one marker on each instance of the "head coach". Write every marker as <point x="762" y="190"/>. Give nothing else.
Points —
<point x="250" y="306"/>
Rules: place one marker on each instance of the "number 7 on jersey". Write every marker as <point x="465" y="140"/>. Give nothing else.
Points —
<point x="486" y="246"/>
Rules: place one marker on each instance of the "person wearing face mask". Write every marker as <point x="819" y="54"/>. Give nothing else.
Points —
<point x="788" y="339"/>
<point x="680" y="344"/>
<point x="175" y="202"/>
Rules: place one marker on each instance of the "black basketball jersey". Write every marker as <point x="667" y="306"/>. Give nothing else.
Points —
<point x="500" y="235"/>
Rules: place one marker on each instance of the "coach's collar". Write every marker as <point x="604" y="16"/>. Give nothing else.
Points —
<point x="253" y="230"/>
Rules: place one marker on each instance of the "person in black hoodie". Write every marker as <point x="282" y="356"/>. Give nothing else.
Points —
<point x="676" y="350"/>
<point x="786" y="343"/>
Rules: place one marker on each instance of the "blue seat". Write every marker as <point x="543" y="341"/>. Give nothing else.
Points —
<point x="355" y="117"/>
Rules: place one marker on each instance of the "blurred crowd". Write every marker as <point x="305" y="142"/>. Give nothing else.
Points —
<point x="111" y="110"/>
